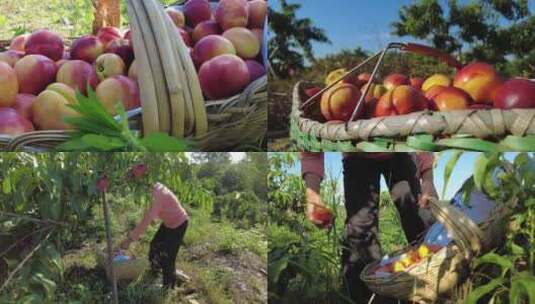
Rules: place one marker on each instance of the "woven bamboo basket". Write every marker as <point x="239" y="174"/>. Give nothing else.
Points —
<point x="129" y="270"/>
<point x="439" y="273"/>
<point x="311" y="133"/>
<point x="171" y="97"/>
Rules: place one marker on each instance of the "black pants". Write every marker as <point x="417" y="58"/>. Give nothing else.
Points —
<point x="362" y="189"/>
<point x="163" y="250"/>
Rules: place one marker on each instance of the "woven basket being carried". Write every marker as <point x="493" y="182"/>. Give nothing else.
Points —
<point x="437" y="274"/>
<point x="128" y="270"/>
<point x="171" y="97"/>
<point x="513" y="129"/>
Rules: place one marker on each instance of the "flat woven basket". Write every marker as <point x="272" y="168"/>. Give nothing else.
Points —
<point x="434" y="276"/>
<point x="129" y="270"/>
<point x="171" y="97"/>
<point x="311" y="133"/>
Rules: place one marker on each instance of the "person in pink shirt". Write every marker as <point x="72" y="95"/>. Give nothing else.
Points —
<point x="409" y="177"/>
<point x="166" y="242"/>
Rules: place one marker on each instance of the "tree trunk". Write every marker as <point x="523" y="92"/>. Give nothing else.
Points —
<point x="107" y="13"/>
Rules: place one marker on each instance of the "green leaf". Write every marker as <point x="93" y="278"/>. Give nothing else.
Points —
<point x="422" y="142"/>
<point x="161" y="142"/>
<point x="6" y="185"/>
<point x="471" y="144"/>
<point x="479" y="292"/>
<point x="103" y="143"/>
<point x="449" y="169"/>
<point x="377" y="146"/>
<point x="276" y="267"/>
<point x="493" y="258"/>
<point x="522" y="288"/>
<point x="73" y="144"/>
<point x="519" y="143"/>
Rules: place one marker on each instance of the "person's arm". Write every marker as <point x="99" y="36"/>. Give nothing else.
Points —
<point x="425" y="162"/>
<point x="312" y="170"/>
<point x="142" y="226"/>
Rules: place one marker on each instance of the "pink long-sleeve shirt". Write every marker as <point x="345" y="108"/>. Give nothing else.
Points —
<point x="313" y="162"/>
<point x="166" y="207"/>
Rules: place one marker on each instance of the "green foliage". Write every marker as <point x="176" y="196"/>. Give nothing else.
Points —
<point x="490" y="30"/>
<point x="97" y="130"/>
<point x="292" y="39"/>
<point x="506" y="275"/>
<point x="50" y="207"/>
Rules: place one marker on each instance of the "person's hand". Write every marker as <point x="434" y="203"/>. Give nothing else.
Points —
<point x="319" y="214"/>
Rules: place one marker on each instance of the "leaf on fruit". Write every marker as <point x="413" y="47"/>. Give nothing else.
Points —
<point x="161" y="142"/>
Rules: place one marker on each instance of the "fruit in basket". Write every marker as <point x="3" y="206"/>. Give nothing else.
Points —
<point x="436" y="80"/>
<point x="107" y="34"/>
<point x="23" y="105"/>
<point x="339" y="102"/>
<point x="452" y="98"/>
<point x="395" y="80"/>
<point x="205" y="28"/>
<point x="9" y="85"/>
<point x="480" y="80"/>
<point x="123" y="49"/>
<point x="375" y="91"/>
<point x="46" y="43"/>
<point x="87" y="48"/>
<point x="417" y="82"/>
<point x="258" y="10"/>
<point x="232" y="13"/>
<point x="398" y="266"/>
<point x="177" y="16"/>
<point x="19" y="43"/>
<point x="108" y="65"/>
<point x="259" y="34"/>
<point x="423" y="251"/>
<point x="334" y="76"/>
<point x="11" y="57"/>
<point x="322" y="216"/>
<point x="244" y="41"/>
<point x="402" y="100"/>
<point x="434" y="91"/>
<point x="197" y="11"/>
<point x="212" y="46"/>
<point x="50" y="108"/>
<point x="76" y="74"/>
<point x="31" y="65"/>
<point x="364" y="77"/>
<point x="132" y="72"/>
<point x="185" y="37"/>
<point x="224" y="76"/>
<point x="516" y="93"/>
<point x="118" y="89"/>
<point x="12" y="123"/>
<point x="256" y="70"/>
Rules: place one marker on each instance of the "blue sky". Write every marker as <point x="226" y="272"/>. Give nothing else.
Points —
<point x="350" y="23"/>
<point x="462" y="171"/>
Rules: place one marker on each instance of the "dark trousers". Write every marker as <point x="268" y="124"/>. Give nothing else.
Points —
<point x="362" y="189"/>
<point x="163" y="251"/>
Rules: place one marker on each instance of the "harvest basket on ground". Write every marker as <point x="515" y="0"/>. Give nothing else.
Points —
<point x="172" y="101"/>
<point x="128" y="270"/>
<point x="432" y="277"/>
<point x="476" y="128"/>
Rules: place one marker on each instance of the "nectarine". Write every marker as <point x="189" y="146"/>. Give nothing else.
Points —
<point x="516" y="93"/>
<point x="108" y="65"/>
<point x="23" y="105"/>
<point x="12" y="123"/>
<point x="452" y="98"/>
<point x="197" y="11"/>
<point x="75" y="74"/>
<point x="87" y="48"/>
<point x="205" y="28"/>
<point x="339" y="102"/>
<point x="212" y="46"/>
<point x="9" y="85"/>
<point x="50" y="108"/>
<point x="480" y="80"/>
<point x="394" y="80"/>
<point x="436" y="80"/>
<point x="11" y="57"/>
<point x="46" y="43"/>
<point x="257" y="13"/>
<point x="244" y="41"/>
<point x="232" y="13"/>
<point x="401" y="100"/>
<point x="177" y="16"/>
<point x="224" y="76"/>
<point x="19" y="43"/>
<point x="118" y="89"/>
<point x="34" y="73"/>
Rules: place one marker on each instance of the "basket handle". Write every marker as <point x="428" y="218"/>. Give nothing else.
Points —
<point x="425" y="50"/>
<point x="463" y="230"/>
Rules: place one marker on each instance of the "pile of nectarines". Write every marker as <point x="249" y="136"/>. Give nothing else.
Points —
<point x="39" y="74"/>
<point x="225" y="43"/>
<point x="407" y="260"/>
<point x="39" y="77"/>
<point x="476" y="86"/>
